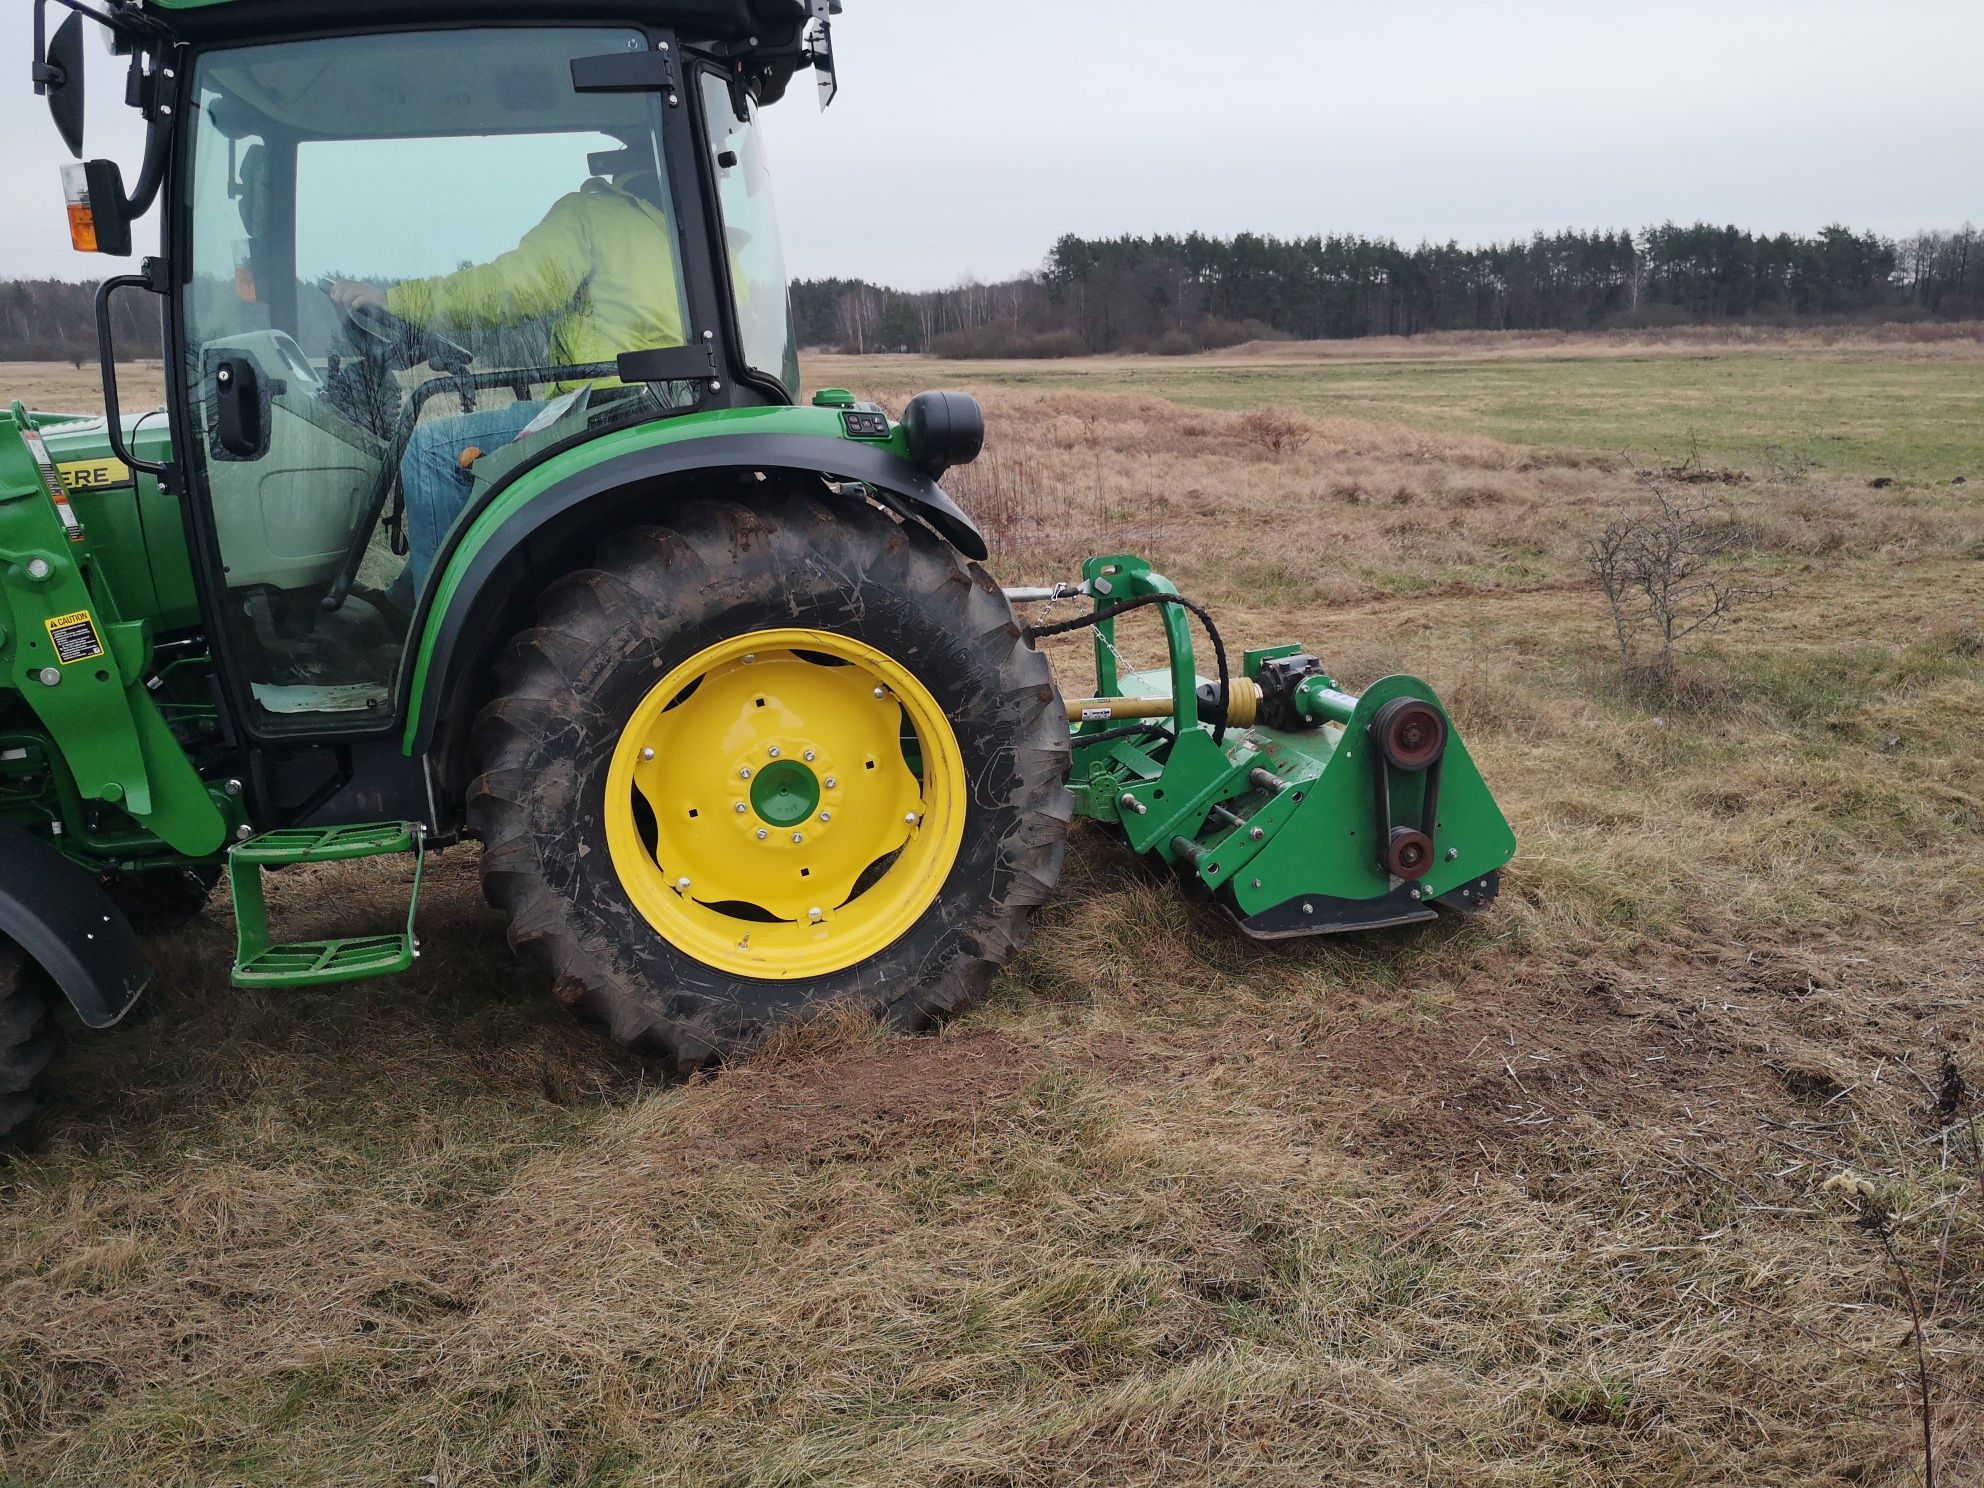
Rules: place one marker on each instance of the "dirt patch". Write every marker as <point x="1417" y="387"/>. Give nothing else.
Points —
<point x="853" y="1104"/>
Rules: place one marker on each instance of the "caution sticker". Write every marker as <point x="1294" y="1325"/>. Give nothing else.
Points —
<point x="94" y="475"/>
<point x="74" y="638"/>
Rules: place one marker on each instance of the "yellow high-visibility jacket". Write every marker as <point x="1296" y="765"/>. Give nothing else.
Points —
<point x="602" y="261"/>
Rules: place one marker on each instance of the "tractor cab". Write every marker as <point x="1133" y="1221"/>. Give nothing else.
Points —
<point x="404" y="259"/>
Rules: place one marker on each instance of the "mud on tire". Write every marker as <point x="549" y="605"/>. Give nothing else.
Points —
<point x="659" y="595"/>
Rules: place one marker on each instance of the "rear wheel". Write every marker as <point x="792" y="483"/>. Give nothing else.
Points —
<point x="27" y="1039"/>
<point x="764" y="760"/>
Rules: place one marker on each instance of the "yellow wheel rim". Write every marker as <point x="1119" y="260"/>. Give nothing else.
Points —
<point x="785" y="805"/>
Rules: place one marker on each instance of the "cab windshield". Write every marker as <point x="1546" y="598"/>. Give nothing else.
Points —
<point x="416" y="258"/>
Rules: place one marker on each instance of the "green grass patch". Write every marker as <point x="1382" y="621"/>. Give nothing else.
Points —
<point x="1763" y="412"/>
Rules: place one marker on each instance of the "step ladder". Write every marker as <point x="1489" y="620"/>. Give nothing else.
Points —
<point x="317" y="963"/>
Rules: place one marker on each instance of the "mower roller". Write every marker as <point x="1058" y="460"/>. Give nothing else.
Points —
<point x="550" y="554"/>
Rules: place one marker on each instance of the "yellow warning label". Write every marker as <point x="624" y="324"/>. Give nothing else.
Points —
<point x="91" y="475"/>
<point x="74" y="638"/>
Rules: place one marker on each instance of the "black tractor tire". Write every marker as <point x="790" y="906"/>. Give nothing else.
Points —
<point x="660" y="595"/>
<point x="27" y="1039"/>
<point x="164" y="899"/>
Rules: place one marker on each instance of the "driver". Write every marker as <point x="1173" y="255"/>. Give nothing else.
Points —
<point x="601" y="266"/>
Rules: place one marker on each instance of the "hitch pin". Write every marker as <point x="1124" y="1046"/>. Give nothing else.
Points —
<point x="1046" y="594"/>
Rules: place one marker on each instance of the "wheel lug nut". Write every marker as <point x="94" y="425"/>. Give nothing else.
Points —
<point x="826" y="816"/>
<point x="831" y="782"/>
<point x="749" y="659"/>
<point x="798" y="837"/>
<point x="763" y="834"/>
<point x="773" y="751"/>
<point x="683" y="884"/>
<point x="742" y="808"/>
<point x="816" y="915"/>
<point x="881" y="692"/>
<point x="912" y="819"/>
<point x="745" y="773"/>
<point x="647" y="756"/>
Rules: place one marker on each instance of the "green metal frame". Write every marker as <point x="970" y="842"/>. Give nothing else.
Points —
<point x="1280" y="825"/>
<point x="81" y="668"/>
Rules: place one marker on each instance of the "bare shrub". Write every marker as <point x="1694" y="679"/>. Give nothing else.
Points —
<point x="1696" y="471"/>
<point x="1002" y="493"/>
<point x="1787" y="463"/>
<point x="1665" y="575"/>
<point x="1275" y="430"/>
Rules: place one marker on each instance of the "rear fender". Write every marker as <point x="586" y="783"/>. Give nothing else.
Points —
<point x="62" y="918"/>
<point x="499" y="564"/>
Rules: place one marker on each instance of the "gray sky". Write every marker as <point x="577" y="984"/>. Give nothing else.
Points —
<point x="972" y="133"/>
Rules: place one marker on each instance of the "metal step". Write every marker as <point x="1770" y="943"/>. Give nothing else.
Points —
<point x="326" y="844"/>
<point x="258" y="962"/>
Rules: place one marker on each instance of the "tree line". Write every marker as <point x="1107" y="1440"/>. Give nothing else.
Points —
<point x="52" y="320"/>
<point x="1182" y="294"/>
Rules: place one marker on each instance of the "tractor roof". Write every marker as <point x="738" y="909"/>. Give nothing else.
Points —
<point x="247" y="20"/>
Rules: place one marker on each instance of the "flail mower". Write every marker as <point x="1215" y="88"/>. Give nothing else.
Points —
<point x="484" y="505"/>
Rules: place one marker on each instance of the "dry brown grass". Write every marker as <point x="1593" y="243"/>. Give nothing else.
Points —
<point x="58" y="387"/>
<point x="1530" y="1199"/>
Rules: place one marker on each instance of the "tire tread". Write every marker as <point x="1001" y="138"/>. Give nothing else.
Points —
<point x="638" y="577"/>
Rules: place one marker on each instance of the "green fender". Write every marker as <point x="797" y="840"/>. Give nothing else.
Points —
<point x="487" y="565"/>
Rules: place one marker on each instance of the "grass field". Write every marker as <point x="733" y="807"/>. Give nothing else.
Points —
<point x="1867" y="407"/>
<point x="1530" y="1199"/>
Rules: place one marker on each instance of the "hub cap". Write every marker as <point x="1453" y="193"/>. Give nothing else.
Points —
<point x="786" y="804"/>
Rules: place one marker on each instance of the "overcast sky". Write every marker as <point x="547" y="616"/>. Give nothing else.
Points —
<point x="970" y="134"/>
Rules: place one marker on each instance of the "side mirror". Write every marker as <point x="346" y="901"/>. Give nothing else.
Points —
<point x="99" y="212"/>
<point x="59" y="74"/>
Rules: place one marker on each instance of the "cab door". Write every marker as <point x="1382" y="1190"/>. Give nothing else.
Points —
<point x="413" y="260"/>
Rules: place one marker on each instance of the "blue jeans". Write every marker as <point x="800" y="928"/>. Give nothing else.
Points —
<point x="437" y="487"/>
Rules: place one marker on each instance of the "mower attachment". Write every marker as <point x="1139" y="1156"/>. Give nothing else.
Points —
<point x="1303" y="809"/>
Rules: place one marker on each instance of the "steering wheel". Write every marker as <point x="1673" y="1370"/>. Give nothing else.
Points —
<point x="377" y="334"/>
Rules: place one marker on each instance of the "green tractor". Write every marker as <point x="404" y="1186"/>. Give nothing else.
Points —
<point x="485" y="505"/>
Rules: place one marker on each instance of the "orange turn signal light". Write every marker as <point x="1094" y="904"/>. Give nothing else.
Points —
<point x="82" y="222"/>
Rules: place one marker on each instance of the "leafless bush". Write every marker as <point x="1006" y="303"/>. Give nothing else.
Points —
<point x="1874" y="1215"/>
<point x="1695" y="470"/>
<point x="1665" y="575"/>
<point x="1787" y="463"/>
<point x="1275" y="430"/>
<point x="1004" y="494"/>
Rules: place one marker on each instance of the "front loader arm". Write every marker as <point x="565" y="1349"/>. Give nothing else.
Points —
<point x="81" y="669"/>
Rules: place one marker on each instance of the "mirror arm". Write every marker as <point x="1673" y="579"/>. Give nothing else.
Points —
<point x="151" y="175"/>
<point x="108" y="22"/>
<point x="43" y="74"/>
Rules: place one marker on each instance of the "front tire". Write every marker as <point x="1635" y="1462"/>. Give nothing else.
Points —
<point x="27" y="1039"/>
<point x="765" y="760"/>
